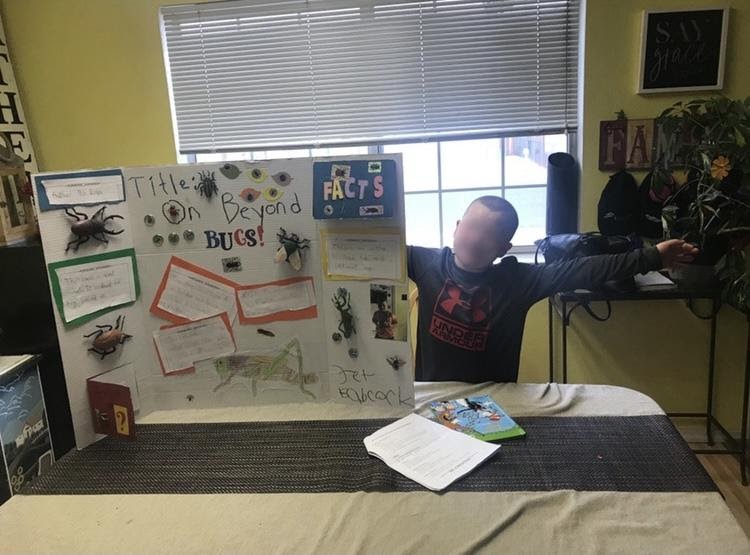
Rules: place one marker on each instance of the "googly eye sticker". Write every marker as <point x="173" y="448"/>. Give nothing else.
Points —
<point x="250" y="194"/>
<point x="272" y="194"/>
<point x="230" y="171"/>
<point x="282" y="178"/>
<point x="258" y="175"/>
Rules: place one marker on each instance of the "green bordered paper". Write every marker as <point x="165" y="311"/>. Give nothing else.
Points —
<point x="85" y="288"/>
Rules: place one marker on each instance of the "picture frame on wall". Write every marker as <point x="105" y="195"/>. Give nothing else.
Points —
<point x="683" y="50"/>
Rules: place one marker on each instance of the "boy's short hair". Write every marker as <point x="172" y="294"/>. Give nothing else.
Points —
<point x="509" y="222"/>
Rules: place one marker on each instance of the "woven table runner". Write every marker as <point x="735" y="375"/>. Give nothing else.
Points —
<point x="599" y="453"/>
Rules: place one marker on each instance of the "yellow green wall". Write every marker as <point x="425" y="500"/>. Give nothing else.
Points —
<point x="658" y="348"/>
<point x="92" y="82"/>
<point x="91" y="78"/>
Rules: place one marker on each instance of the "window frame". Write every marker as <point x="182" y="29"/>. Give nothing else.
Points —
<point x="375" y="149"/>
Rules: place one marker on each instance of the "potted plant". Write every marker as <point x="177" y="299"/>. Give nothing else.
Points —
<point x="711" y="204"/>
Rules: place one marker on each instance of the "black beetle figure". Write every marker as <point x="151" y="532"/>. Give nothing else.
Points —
<point x="207" y="184"/>
<point x="107" y="338"/>
<point x="85" y="228"/>
<point x="291" y="248"/>
<point x="395" y="361"/>
<point x="232" y="266"/>
<point x="341" y="300"/>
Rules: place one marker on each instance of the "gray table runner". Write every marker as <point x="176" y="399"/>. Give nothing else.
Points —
<point x="597" y="453"/>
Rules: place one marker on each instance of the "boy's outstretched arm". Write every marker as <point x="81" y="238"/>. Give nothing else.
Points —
<point x="591" y="272"/>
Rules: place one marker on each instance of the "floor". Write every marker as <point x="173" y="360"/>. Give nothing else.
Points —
<point x="725" y="472"/>
<point x="724" y="469"/>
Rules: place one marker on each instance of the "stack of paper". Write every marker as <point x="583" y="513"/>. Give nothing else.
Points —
<point x="652" y="280"/>
<point x="426" y="452"/>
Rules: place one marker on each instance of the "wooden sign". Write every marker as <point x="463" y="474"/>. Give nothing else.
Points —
<point x="612" y="136"/>
<point x="12" y="116"/>
<point x="626" y="144"/>
<point x="683" y="50"/>
<point x="636" y="144"/>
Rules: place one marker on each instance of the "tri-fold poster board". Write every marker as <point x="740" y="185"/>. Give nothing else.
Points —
<point x="227" y="284"/>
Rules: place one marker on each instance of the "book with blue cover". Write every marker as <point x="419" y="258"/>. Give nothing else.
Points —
<point x="478" y="416"/>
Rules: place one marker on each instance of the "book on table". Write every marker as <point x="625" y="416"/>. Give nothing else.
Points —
<point x="478" y="416"/>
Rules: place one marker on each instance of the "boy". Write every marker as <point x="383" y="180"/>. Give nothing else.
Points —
<point x="384" y="321"/>
<point x="472" y="312"/>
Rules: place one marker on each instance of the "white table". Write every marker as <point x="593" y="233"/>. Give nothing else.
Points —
<point x="563" y="521"/>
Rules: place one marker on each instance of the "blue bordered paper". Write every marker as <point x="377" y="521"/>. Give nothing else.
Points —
<point x="88" y="181"/>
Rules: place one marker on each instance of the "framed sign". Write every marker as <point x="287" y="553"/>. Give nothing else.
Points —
<point x="682" y="50"/>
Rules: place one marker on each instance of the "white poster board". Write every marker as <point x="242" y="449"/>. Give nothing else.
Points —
<point x="212" y="284"/>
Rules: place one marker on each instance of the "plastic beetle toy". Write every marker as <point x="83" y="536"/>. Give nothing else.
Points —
<point x="84" y="228"/>
<point x="341" y="300"/>
<point x="291" y="248"/>
<point x="107" y="338"/>
<point x="207" y="184"/>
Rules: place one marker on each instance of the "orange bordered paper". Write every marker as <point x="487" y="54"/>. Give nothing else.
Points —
<point x="286" y="299"/>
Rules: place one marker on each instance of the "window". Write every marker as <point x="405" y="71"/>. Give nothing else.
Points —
<point x="249" y="75"/>
<point x="442" y="178"/>
<point x="475" y="94"/>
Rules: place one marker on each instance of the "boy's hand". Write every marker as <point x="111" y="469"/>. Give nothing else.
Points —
<point x="676" y="251"/>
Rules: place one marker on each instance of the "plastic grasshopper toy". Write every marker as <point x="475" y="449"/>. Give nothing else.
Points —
<point x="265" y="368"/>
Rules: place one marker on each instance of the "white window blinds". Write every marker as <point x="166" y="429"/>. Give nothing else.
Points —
<point x="259" y="74"/>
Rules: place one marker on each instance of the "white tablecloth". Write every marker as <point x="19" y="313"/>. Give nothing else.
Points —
<point x="561" y="521"/>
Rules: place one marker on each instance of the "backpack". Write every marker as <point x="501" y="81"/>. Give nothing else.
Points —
<point x="651" y="206"/>
<point x="619" y="211"/>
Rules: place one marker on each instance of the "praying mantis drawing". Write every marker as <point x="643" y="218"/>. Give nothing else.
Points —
<point x="259" y="367"/>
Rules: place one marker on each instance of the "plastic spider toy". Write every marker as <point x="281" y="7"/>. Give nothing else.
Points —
<point x="107" y="337"/>
<point x="291" y="248"/>
<point x="173" y="211"/>
<point x="341" y="301"/>
<point x="207" y="184"/>
<point x="84" y="228"/>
